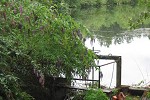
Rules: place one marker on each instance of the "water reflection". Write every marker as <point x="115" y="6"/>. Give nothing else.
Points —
<point x="109" y="38"/>
<point x="112" y="34"/>
<point x="135" y="61"/>
<point x="108" y="25"/>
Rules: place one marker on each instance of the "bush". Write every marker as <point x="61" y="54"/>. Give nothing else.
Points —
<point x="37" y="40"/>
<point x="10" y="89"/>
<point x="95" y="95"/>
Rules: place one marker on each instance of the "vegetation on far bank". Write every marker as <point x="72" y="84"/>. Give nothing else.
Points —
<point x="111" y="23"/>
<point x="99" y="3"/>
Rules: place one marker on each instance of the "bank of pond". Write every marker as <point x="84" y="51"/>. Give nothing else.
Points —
<point x="57" y="88"/>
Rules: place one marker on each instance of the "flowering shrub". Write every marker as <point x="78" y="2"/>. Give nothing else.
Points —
<point x="37" y="40"/>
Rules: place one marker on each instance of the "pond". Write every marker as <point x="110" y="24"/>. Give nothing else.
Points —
<point x="110" y="25"/>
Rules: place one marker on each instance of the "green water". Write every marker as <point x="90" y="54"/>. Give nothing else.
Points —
<point x="108" y="23"/>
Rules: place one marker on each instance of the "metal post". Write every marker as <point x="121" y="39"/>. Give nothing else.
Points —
<point x="92" y="76"/>
<point x="93" y="73"/>
<point x="99" y="80"/>
<point x="118" y="73"/>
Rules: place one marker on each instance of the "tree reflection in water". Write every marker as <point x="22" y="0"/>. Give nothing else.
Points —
<point x="111" y="28"/>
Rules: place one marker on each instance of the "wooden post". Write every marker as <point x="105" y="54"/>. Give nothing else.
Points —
<point x="118" y="73"/>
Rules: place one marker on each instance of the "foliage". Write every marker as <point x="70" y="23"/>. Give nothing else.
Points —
<point x="99" y="3"/>
<point x="136" y="22"/>
<point x="148" y="95"/>
<point x="10" y="89"/>
<point x="9" y="64"/>
<point x="108" y="17"/>
<point x="79" y="95"/>
<point x="114" y="92"/>
<point x="37" y="40"/>
<point x="108" y="22"/>
<point x="95" y="95"/>
<point x="143" y="16"/>
<point x="53" y="40"/>
<point x="129" y="97"/>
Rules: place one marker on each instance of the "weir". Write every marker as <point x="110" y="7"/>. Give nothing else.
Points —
<point x="117" y="59"/>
